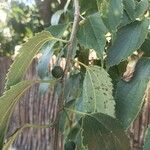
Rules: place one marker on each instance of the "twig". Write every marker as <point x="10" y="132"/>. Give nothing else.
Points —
<point x="67" y="68"/>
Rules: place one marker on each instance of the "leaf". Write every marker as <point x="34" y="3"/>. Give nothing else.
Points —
<point x="25" y="57"/>
<point x="48" y="51"/>
<point x="111" y="12"/>
<point x="7" y="103"/>
<point x="97" y="91"/>
<point x="129" y="6"/>
<point x="92" y="32"/>
<point x="56" y="17"/>
<point x="129" y="39"/>
<point x="75" y="136"/>
<point x="147" y="139"/>
<point x="146" y="46"/>
<point x="42" y="67"/>
<point x="100" y="131"/>
<point x="12" y="139"/>
<point x="88" y="6"/>
<point x="73" y="87"/>
<point x="141" y="7"/>
<point x="57" y="30"/>
<point x="129" y="95"/>
<point x="125" y="20"/>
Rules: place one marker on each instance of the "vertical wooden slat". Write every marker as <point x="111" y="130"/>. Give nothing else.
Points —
<point x="41" y="109"/>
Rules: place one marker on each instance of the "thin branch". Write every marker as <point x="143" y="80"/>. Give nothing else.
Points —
<point x="67" y="68"/>
<point x="72" y="36"/>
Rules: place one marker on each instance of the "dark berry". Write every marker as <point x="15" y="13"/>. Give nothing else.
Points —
<point x="57" y="72"/>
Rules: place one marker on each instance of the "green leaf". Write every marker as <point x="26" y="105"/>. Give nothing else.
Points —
<point x="12" y="139"/>
<point x="129" y="39"/>
<point x="129" y="95"/>
<point x="100" y="131"/>
<point x="147" y="139"/>
<point x="141" y="7"/>
<point x="111" y="12"/>
<point x="73" y="87"/>
<point x="129" y="6"/>
<point x="97" y="91"/>
<point x="125" y="20"/>
<point x="25" y="57"/>
<point x="57" y="30"/>
<point x="92" y="32"/>
<point x="7" y="103"/>
<point x="42" y="67"/>
<point x="56" y="17"/>
<point x="88" y="6"/>
<point x="146" y="46"/>
<point x="47" y="50"/>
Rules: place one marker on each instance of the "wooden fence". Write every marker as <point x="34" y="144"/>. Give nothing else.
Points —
<point x="41" y="109"/>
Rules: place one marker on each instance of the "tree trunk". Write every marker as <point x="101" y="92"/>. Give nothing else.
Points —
<point x="44" y="10"/>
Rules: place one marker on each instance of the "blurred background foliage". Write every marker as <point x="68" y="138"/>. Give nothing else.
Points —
<point x="21" y="19"/>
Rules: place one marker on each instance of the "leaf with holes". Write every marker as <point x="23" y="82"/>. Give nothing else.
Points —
<point x="129" y="39"/>
<point x="129" y="95"/>
<point x="97" y="91"/>
<point x="92" y="32"/>
<point x="111" y="12"/>
<point x="100" y="131"/>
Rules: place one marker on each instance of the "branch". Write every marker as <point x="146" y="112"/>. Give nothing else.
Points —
<point x="72" y="36"/>
<point x="67" y="68"/>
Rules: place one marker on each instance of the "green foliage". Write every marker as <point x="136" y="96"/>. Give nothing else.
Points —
<point x="91" y="103"/>
<point x="99" y="131"/>
<point x="128" y="104"/>
<point x="70" y="145"/>
<point x="129" y="6"/>
<point x="92" y="33"/>
<point x="97" y="91"/>
<point x="111" y="12"/>
<point x="48" y="50"/>
<point x="23" y="22"/>
<point x="147" y="139"/>
<point x="128" y="40"/>
<point x="146" y="45"/>
<point x="25" y="58"/>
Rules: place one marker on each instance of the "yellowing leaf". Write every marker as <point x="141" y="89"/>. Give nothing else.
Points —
<point x="7" y="103"/>
<point x="25" y="57"/>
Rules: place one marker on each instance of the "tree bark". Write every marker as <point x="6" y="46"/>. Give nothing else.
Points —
<point x="44" y="10"/>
